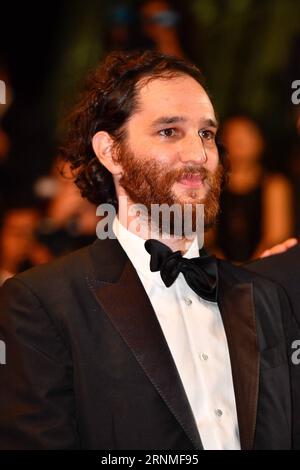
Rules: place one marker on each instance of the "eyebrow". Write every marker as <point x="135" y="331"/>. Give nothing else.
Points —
<point x="175" y="119"/>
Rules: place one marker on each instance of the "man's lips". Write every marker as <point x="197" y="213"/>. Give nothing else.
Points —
<point x="192" y="181"/>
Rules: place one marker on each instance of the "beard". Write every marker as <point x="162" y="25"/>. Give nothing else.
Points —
<point x="149" y="182"/>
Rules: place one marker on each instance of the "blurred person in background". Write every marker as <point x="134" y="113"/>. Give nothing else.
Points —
<point x="121" y="28"/>
<point x="256" y="207"/>
<point x="70" y="220"/>
<point x="19" y="247"/>
<point x="159" y="25"/>
<point x="294" y="172"/>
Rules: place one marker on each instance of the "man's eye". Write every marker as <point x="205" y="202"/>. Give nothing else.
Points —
<point x="207" y="135"/>
<point x="170" y="132"/>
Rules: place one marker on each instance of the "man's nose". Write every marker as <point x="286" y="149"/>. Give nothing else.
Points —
<point x="193" y="150"/>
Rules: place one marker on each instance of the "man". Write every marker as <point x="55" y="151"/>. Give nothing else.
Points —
<point x="107" y="351"/>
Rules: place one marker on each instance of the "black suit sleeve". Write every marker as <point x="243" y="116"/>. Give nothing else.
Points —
<point x="292" y="333"/>
<point x="284" y="269"/>
<point x="37" y="406"/>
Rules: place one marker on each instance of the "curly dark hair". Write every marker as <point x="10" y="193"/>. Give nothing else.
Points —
<point x="106" y="103"/>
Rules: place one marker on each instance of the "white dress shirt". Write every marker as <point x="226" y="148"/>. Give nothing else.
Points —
<point x="195" y="334"/>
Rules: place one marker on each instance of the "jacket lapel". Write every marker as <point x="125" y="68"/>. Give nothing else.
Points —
<point x="238" y="312"/>
<point x="122" y="297"/>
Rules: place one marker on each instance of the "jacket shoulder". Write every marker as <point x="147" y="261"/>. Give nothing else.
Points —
<point x="237" y="274"/>
<point x="69" y="265"/>
<point x="98" y="261"/>
<point x="283" y="267"/>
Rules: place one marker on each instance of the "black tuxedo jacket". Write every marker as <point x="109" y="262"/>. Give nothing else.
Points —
<point x="285" y="270"/>
<point x="87" y="365"/>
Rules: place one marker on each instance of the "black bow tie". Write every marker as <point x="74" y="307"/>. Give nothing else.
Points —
<point x="200" y="273"/>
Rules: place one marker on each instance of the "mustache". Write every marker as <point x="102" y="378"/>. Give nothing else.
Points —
<point x="175" y="175"/>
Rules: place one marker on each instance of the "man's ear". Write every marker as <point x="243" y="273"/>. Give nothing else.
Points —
<point x="103" y="145"/>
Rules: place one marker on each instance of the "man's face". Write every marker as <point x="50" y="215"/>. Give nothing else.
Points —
<point x="170" y="154"/>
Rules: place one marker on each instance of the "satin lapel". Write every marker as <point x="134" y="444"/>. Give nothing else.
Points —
<point x="125" y="302"/>
<point x="238" y="312"/>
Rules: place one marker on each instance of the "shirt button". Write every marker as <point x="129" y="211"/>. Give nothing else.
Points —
<point x="204" y="356"/>
<point x="218" y="412"/>
<point x="188" y="301"/>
